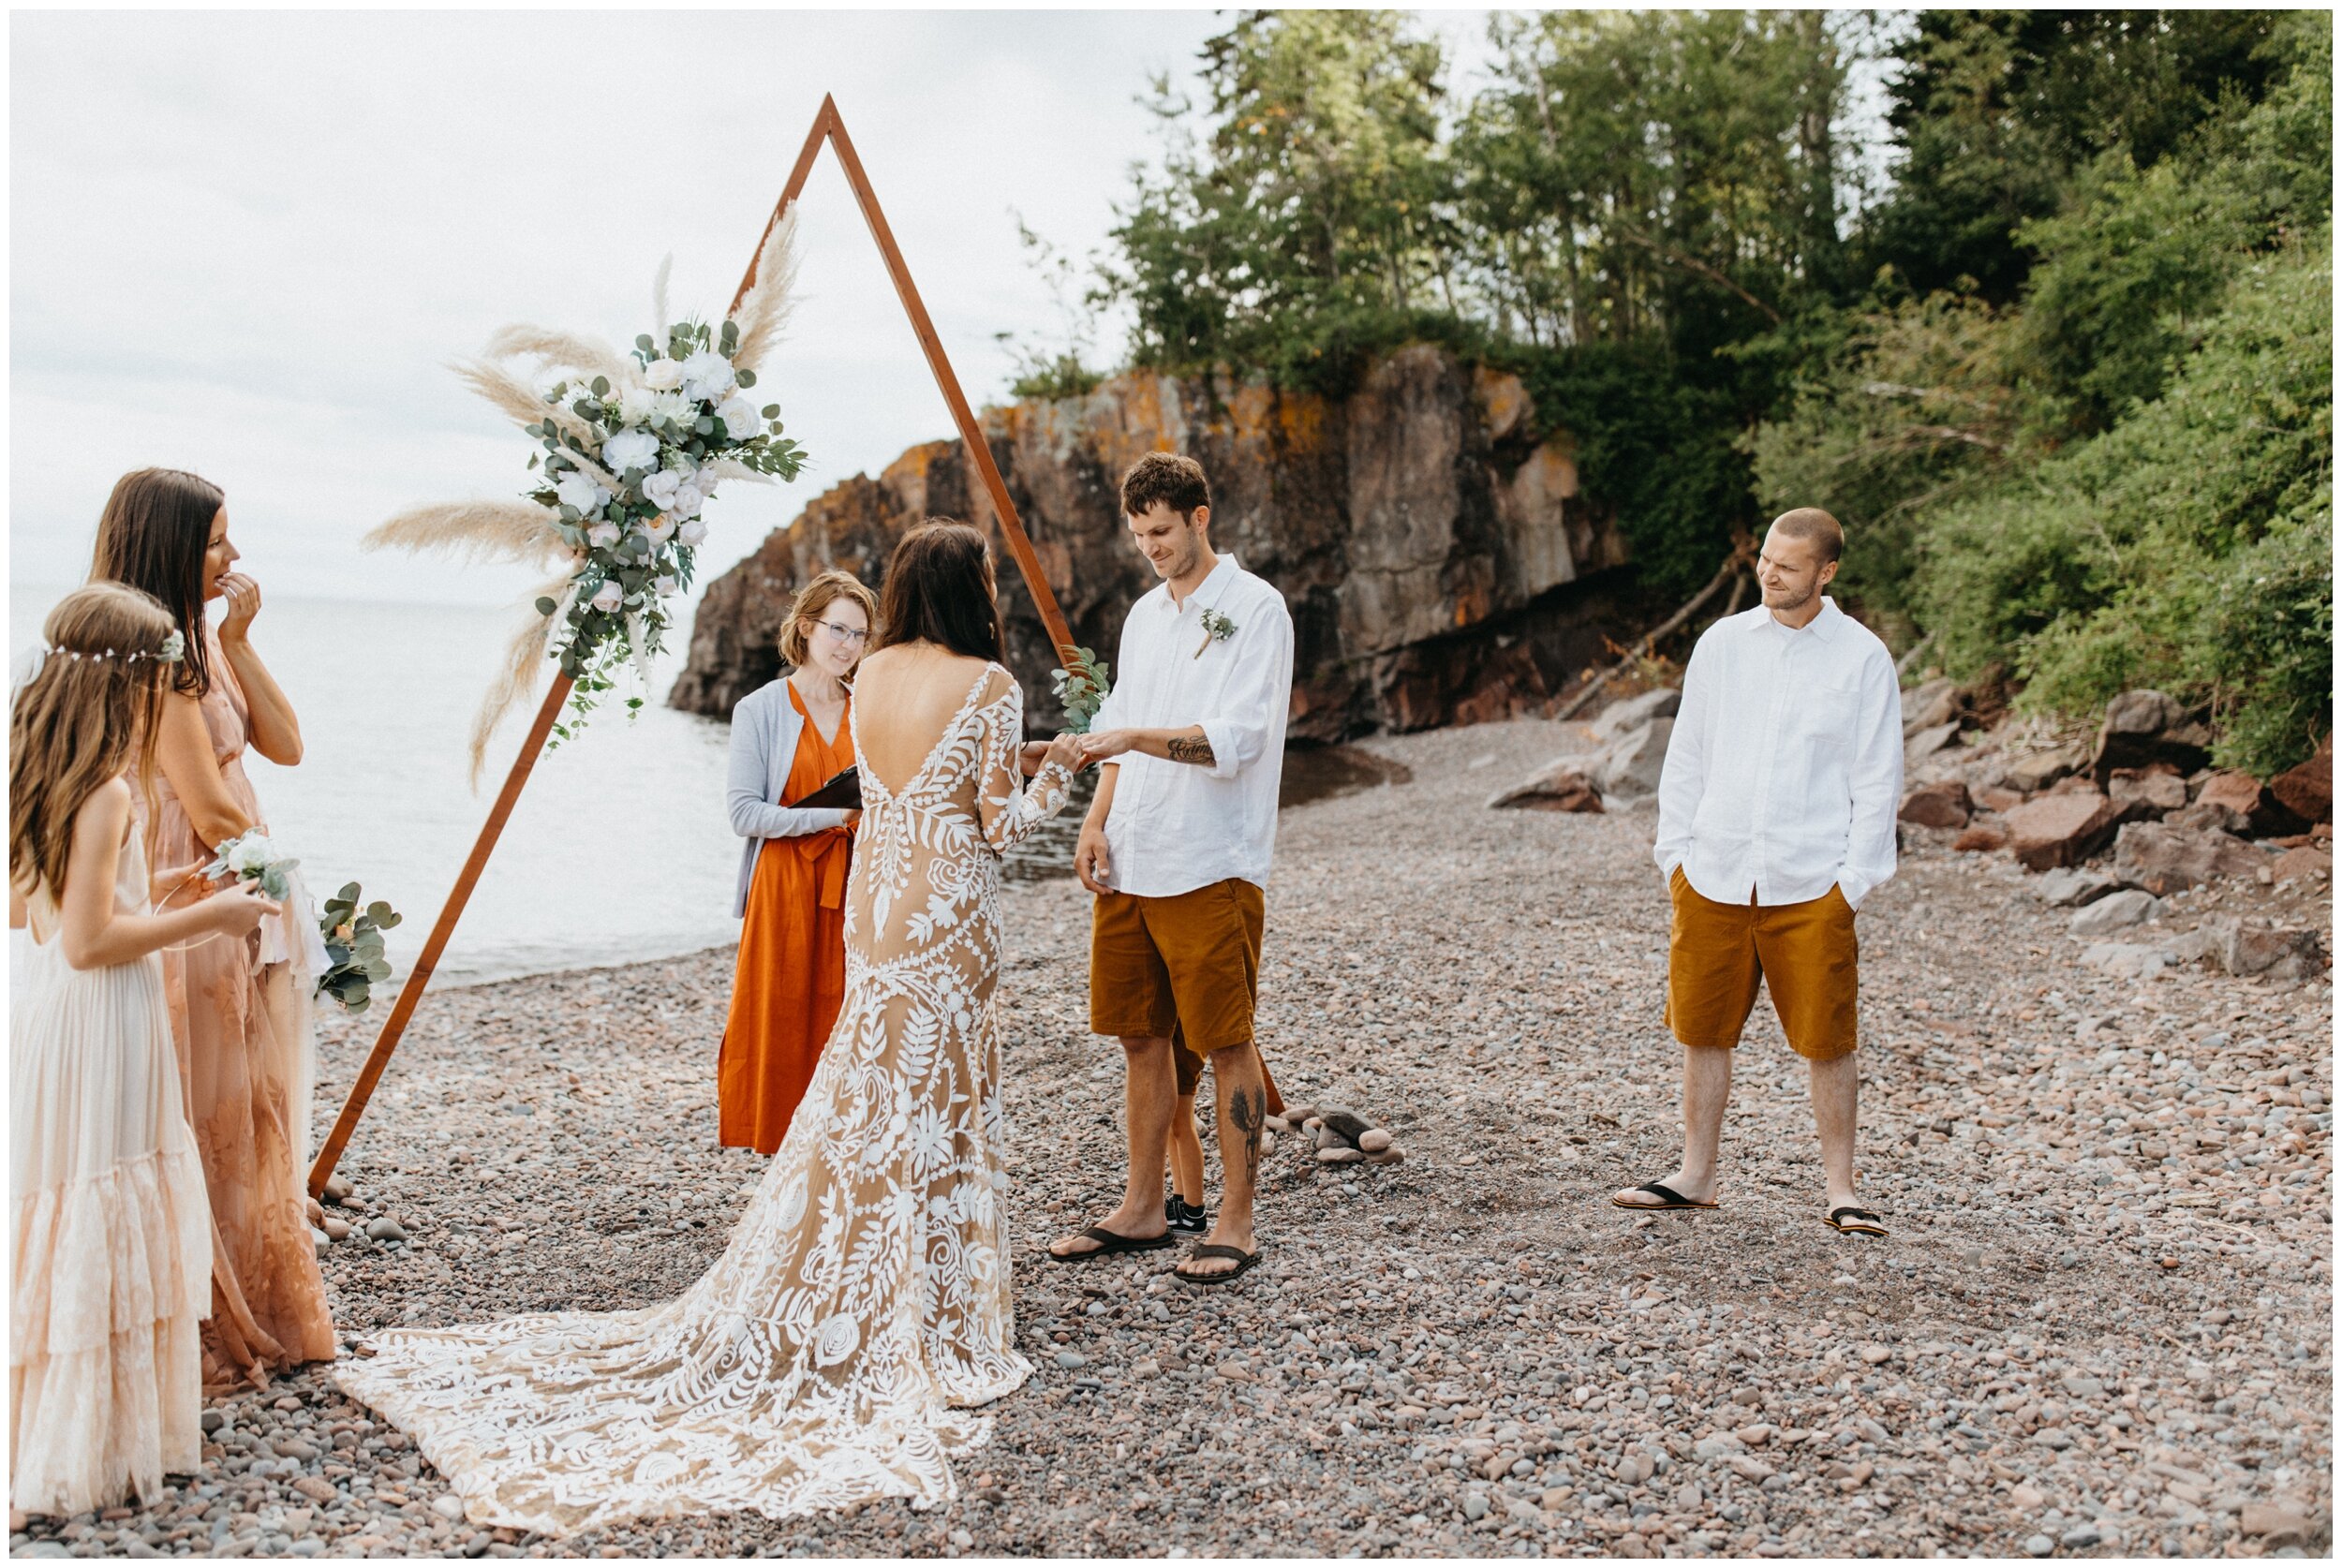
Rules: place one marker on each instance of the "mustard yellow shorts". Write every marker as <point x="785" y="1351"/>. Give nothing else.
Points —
<point x="1804" y="952"/>
<point x="1190" y="962"/>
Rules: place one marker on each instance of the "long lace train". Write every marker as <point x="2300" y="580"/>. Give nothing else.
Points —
<point x="831" y="1356"/>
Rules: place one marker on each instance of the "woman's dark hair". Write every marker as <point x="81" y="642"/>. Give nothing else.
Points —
<point x="153" y="536"/>
<point x="939" y="589"/>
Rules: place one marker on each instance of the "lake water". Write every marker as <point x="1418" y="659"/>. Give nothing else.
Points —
<point x="618" y="850"/>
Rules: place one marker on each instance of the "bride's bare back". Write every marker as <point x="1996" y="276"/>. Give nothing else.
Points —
<point x="904" y="697"/>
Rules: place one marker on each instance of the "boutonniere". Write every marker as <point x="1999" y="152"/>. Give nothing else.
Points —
<point x="1217" y="628"/>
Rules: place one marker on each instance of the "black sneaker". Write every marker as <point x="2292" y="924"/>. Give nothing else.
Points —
<point x="1184" y="1217"/>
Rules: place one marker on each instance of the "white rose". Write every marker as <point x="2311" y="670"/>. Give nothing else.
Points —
<point x="630" y="449"/>
<point x="608" y="597"/>
<point x="252" y="854"/>
<point x="577" y="490"/>
<point x="602" y="536"/>
<point x="665" y="585"/>
<point x="663" y="375"/>
<point x="660" y="488"/>
<point x="692" y="532"/>
<point x="658" y="530"/>
<point x="740" y="418"/>
<point x="837" y="1340"/>
<point x="687" y="501"/>
<point x="708" y="376"/>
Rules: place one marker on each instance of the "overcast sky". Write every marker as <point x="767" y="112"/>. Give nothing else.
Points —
<point x="248" y="243"/>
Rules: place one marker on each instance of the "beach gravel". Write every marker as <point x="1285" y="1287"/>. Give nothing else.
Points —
<point x="2099" y="1328"/>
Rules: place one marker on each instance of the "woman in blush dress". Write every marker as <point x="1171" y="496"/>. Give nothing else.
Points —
<point x="242" y="1027"/>
<point x="788" y="740"/>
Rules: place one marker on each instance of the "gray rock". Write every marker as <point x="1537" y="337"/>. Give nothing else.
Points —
<point x="1072" y="1359"/>
<point x="2039" y="1546"/>
<point x="1630" y="713"/>
<point x="1928" y="741"/>
<point x="2072" y="886"/>
<point x="1929" y="704"/>
<point x="1475" y="1506"/>
<point x="2081" y="1535"/>
<point x="1349" y="1126"/>
<point x="385" y="1229"/>
<point x="214" y="1420"/>
<point x="2114" y="912"/>
<point x="2243" y="951"/>
<point x="1630" y="765"/>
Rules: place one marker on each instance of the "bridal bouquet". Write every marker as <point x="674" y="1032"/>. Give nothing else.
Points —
<point x="252" y="857"/>
<point x="289" y="936"/>
<point x="353" y="948"/>
<point x="632" y="447"/>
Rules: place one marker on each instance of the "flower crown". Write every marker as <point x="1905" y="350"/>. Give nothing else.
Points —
<point x="172" y="651"/>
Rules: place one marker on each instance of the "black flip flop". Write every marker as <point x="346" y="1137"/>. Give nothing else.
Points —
<point x="1110" y="1244"/>
<point x="1214" y="1249"/>
<point x="1854" y="1221"/>
<point x="1674" y="1200"/>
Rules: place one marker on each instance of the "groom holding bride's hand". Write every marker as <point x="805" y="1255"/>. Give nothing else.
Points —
<point x="1177" y="848"/>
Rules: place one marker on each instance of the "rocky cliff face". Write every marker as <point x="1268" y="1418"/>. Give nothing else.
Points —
<point x="1439" y="564"/>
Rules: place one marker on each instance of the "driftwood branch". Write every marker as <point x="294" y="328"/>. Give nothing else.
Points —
<point x="1728" y="573"/>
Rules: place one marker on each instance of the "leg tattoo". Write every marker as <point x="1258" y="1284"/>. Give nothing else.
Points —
<point x="1248" y="1108"/>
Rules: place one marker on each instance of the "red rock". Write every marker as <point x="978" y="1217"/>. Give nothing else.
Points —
<point x="1559" y="788"/>
<point x="2146" y="727"/>
<point x="2245" y="805"/>
<point x="1998" y="799"/>
<point x="2302" y="863"/>
<point x="2061" y="829"/>
<point x="1981" y="839"/>
<point x="2163" y="859"/>
<point x="1936" y="806"/>
<point x="2308" y="790"/>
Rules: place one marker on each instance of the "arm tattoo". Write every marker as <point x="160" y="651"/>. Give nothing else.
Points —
<point x="1247" y="1108"/>
<point x="1191" y="749"/>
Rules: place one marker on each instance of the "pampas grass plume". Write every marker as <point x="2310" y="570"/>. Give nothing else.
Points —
<point x="765" y="310"/>
<point x="477" y="530"/>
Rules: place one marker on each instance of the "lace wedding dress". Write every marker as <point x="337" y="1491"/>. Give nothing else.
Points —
<point x="830" y="1356"/>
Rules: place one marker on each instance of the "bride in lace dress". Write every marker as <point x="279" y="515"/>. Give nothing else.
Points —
<point x="833" y="1355"/>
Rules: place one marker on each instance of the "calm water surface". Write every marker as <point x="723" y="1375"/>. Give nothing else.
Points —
<point x="619" y="848"/>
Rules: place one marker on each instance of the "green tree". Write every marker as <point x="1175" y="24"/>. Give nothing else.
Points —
<point x="1996" y="110"/>
<point x="1304" y="226"/>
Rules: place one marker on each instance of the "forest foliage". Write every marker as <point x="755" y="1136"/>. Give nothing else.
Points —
<point x="2059" y="355"/>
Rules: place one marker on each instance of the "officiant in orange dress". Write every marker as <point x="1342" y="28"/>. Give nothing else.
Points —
<point x="788" y="740"/>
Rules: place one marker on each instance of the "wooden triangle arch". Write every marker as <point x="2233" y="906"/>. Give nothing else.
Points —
<point x="827" y="127"/>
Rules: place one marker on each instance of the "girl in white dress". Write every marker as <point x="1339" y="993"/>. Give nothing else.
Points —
<point x="109" y="1233"/>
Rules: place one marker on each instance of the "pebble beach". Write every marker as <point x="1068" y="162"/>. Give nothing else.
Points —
<point x="2100" y="1325"/>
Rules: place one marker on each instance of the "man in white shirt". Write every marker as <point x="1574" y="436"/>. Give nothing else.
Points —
<point x="1776" y="818"/>
<point x="1177" y="848"/>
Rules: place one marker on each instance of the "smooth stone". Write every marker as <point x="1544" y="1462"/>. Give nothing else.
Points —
<point x="1374" y="1140"/>
<point x="385" y="1229"/>
<point x="1339" y="1156"/>
<point x="2039" y="1546"/>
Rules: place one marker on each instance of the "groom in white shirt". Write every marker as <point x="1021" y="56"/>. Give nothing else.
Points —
<point x="1776" y="818"/>
<point x="1177" y="848"/>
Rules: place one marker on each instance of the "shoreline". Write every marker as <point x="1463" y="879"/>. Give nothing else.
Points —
<point x="1469" y="1353"/>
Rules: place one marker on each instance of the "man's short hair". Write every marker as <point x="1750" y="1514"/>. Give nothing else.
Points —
<point x="1167" y="478"/>
<point x="1817" y="528"/>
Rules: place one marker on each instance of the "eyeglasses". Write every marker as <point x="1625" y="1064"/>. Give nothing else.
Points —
<point x="852" y="637"/>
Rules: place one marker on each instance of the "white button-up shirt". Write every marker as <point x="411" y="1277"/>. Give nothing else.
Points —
<point x="1785" y="764"/>
<point x="1178" y="826"/>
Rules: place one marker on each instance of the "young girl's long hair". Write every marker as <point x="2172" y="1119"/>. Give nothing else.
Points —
<point x="84" y="717"/>
<point x="154" y="535"/>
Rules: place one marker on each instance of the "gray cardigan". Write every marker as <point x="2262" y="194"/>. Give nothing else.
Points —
<point x="764" y="729"/>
